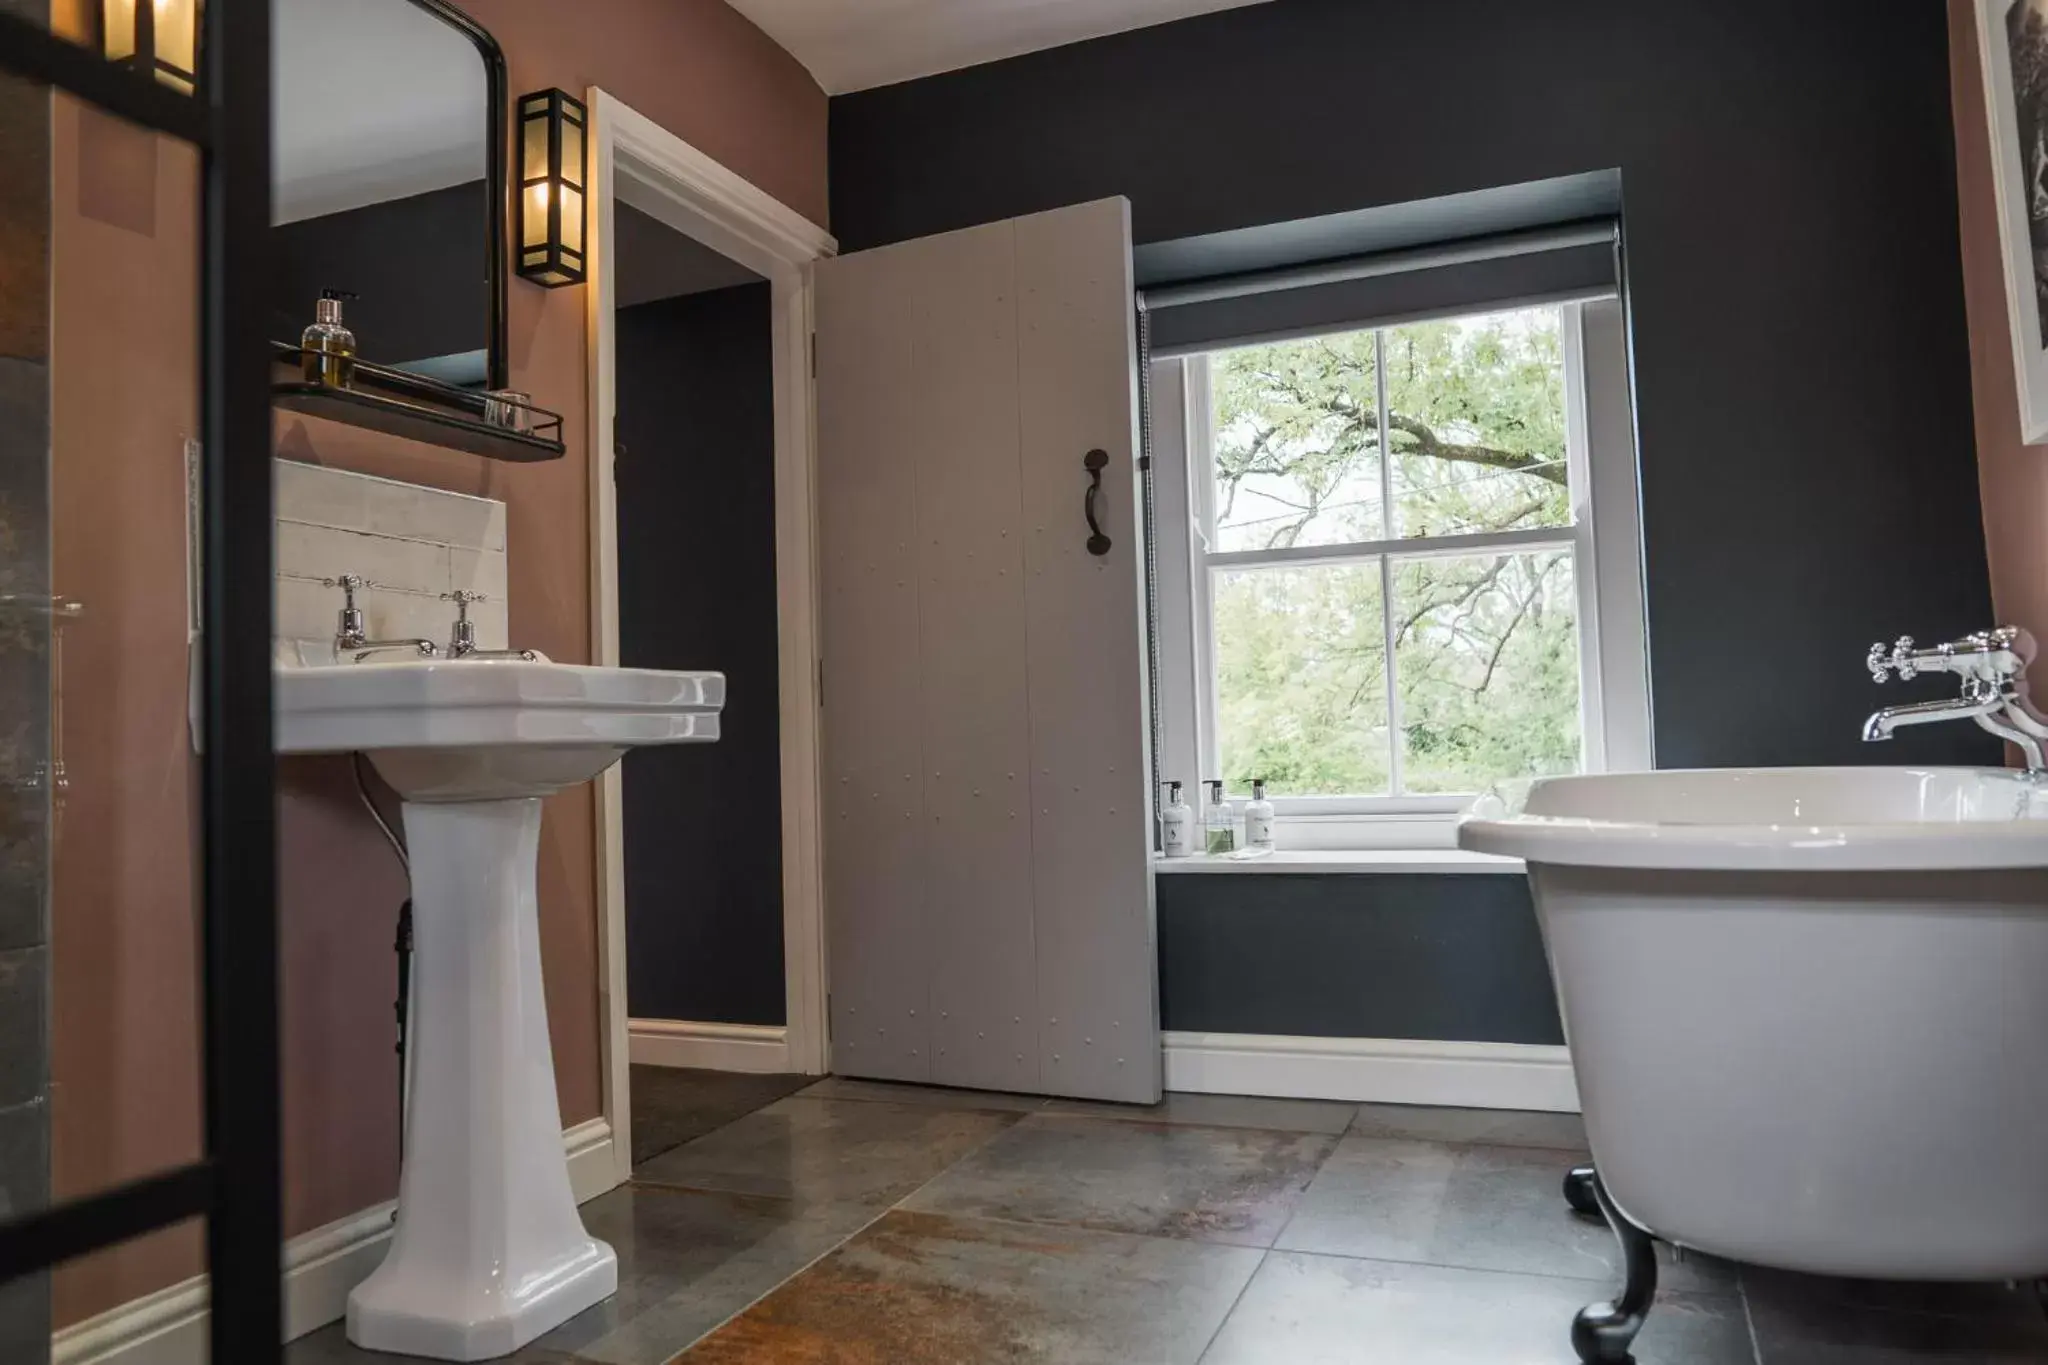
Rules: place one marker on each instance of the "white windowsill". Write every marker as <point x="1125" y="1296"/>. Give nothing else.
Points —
<point x="1426" y="860"/>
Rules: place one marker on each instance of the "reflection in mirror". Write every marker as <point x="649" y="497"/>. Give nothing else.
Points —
<point x="381" y="138"/>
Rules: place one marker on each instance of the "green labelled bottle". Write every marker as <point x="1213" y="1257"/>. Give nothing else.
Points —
<point x="1219" y="822"/>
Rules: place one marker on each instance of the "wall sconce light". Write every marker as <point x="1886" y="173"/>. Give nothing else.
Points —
<point x="552" y="155"/>
<point x="160" y="36"/>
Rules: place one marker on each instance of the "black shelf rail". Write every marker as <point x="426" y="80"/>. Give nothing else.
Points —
<point x="236" y="1186"/>
<point x="419" y="408"/>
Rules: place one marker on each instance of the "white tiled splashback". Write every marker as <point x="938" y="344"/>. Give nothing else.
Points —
<point x="412" y="543"/>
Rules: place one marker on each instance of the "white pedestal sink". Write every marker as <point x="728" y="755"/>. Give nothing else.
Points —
<point x="489" y="1251"/>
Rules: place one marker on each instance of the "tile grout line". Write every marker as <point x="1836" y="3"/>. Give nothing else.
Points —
<point x="775" y="1288"/>
<point x="392" y="536"/>
<point x="836" y="1247"/>
<point x="1146" y="1121"/>
<point x="1235" y="1303"/>
<point x="1735" y="1293"/>
<point x="1294" y="1208"/>
<point x="1756" y="1346"/>
<point x="1028" y="1225"/>
<point x="975" y="1150"/>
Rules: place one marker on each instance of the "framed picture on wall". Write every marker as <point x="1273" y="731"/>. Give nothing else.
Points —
<point x="2013" y="37"/>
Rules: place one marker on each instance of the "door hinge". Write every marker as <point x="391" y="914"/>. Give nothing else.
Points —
<point x="821" y="683"/>
<point x="814" y="355"/>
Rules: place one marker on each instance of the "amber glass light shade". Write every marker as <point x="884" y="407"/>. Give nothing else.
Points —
<point x="553" y="164"/>
<point x="161" y="36"/>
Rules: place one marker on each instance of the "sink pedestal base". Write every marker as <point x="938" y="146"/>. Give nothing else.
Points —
<point x="489" y="1251"/>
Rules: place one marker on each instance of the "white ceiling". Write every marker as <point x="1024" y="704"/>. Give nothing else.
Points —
<point x="857" y="44"/>
<point x="371" y="100"/>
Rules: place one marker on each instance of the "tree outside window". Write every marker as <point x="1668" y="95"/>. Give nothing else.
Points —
<point x="1400" y="490"/>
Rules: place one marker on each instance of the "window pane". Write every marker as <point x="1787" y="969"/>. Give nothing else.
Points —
<point x="1300" y="679"/>
<point x="1487" y="666"/>
<point x="1476" y="405"/>
<point x="1296" y="440"/>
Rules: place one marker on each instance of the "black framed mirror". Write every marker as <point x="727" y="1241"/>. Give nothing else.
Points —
<point x="388" y="183"/>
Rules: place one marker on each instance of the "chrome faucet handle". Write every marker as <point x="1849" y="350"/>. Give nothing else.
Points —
<point x="462" y="639"/>
<point x="348" y="626"/>
<point x="1898" y="657"/>
<point x="1994" y="657"/>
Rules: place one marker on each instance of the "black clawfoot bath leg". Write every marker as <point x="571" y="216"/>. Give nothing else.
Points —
<point x="1578" y="1191"/>
<point x="1602" y="1332"/>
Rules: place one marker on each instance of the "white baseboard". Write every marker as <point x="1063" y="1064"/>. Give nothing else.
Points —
<point x="712" y="1047"/>
<point x="168" y="1327"/>
<point x="592" y="1169"/>
<point x="1373" y="1070"/>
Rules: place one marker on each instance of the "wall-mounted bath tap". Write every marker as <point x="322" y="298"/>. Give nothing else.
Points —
<point x="1993" y="667"/>
<point x="462" y="635"/>
<point x="349" y="635"/>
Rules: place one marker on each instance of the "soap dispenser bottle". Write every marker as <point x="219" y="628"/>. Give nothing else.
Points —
<point x="327" y="348"/>
<point x="1258" y="817"/>
<point x="1220" y="822"/>
<point x="1176" y="825"/>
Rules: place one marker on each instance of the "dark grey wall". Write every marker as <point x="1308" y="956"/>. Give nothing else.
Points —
<point x="1809" y="482"/>
<point x="1367" y="955"/>
<point x="416" y="264"/>
<point x="703" y="823"/>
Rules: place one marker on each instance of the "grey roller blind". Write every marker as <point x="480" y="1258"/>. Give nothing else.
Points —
<point x="1548" y="266"/>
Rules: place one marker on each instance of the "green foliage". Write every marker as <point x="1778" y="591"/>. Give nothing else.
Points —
<point x="1485" y="647"/>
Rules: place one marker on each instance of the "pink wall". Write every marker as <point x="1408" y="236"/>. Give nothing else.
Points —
<point x="126" y="1076"/>
<point x="2013" y="476"/>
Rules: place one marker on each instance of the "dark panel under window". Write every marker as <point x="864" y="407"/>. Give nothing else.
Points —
<point x="1360" y="955"/>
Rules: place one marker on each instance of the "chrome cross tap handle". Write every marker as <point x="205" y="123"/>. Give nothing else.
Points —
<point x="349" y="635"/>
<point x="1899" y="658"/>
<point x="462" y="637"/>
<point x="1993" y="667"/>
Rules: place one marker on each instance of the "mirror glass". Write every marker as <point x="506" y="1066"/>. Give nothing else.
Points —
<point x="380" y="150"/>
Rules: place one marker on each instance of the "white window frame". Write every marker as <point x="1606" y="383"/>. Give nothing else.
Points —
<point x="1604" y="536"/>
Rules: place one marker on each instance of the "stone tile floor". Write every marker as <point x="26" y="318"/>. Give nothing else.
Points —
<point x="857" y="1223"/>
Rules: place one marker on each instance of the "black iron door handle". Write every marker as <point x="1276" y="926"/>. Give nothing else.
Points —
<point x="1095" y="461"/>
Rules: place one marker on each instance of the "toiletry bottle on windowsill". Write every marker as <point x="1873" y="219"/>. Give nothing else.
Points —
<point x="328" y="349"/>
<point x="1176" y="825"/>
<point x="1220" y="822"/>
<point x="1258" y="817"/>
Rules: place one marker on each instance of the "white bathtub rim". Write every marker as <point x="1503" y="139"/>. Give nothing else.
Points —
<point x="1897" y="847"/>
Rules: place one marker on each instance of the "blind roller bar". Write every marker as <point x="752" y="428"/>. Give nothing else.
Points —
<point x="1381" y="263"/>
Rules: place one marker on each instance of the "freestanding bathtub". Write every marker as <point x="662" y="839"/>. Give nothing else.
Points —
<point x="1808" y="1013"/>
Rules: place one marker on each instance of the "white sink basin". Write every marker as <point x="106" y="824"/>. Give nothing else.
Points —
<point x="489" y="1251"/>
<point x="463" y="730"/>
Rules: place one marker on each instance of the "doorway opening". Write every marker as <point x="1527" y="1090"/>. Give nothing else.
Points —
<point x="701" y="540"/>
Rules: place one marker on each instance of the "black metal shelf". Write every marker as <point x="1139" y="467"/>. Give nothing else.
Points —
<point x="416" y="408"/>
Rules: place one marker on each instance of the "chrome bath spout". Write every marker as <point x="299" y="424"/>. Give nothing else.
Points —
<point x="1993" y="667"/>
<point x="1882" y="723"/>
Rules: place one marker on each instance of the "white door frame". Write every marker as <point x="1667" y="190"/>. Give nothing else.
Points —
<point x="643" y="164"/>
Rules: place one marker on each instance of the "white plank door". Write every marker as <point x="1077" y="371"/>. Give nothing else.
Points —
<point x="987" y="864"/>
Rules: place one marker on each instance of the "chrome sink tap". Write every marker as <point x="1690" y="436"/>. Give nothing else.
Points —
<point x="349" y="635"/>
<point x="462" y="635"/>
<point x="1993" y="667"/>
